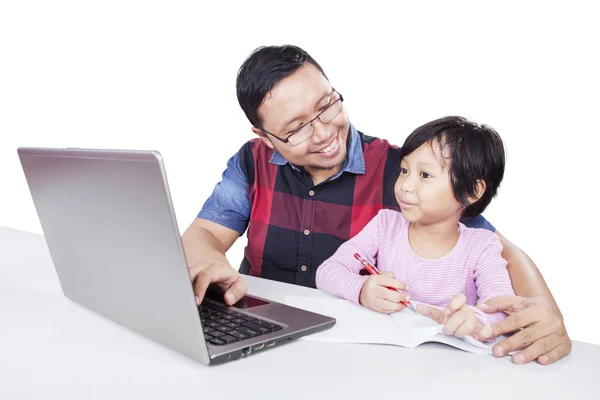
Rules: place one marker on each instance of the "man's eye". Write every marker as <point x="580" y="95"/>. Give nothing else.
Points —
<point x="425" y="175"/>
<point x="326" y="105"/>
<point x="294" y="130"/>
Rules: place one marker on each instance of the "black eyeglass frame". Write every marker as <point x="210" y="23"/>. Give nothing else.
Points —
<point x="287" y="138"/>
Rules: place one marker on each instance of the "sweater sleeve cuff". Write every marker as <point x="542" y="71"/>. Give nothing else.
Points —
<point x="355" y="286"/>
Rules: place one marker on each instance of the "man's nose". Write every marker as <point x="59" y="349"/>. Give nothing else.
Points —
<point x="320" y="133"/>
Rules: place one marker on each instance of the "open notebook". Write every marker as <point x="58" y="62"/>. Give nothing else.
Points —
<point x="357" y="324"/>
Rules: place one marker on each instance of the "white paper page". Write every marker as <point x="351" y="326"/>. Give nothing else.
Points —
<point x="416" y="329"/>
<point x="355" y="324"/>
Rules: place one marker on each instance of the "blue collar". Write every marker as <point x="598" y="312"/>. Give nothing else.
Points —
<point x="353" y="163"/>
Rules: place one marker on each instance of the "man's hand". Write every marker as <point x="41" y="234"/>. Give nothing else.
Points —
<point x="542" y="334"/>
<point x="375" y="296"/>
<point x="227" y="279"/>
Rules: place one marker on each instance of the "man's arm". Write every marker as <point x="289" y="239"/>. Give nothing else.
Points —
<point x="534" y="315"/>
<point x="526" y="278"/>
<point x="223" y="218"/>
<point x="206" y="241"/>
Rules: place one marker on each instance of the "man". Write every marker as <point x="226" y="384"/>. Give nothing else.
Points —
<point x="311" y="181"/>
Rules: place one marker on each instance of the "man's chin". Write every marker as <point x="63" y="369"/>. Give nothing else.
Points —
<point x="336" y="163"/>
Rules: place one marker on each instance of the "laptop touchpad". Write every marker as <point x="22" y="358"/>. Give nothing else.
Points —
<point x="249" y="302"/>
<point x="245" y="302"/>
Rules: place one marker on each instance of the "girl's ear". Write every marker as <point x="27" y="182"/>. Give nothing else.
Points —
<point x="479" y="191"/>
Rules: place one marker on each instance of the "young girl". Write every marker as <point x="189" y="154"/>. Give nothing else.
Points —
<point x="451" y="168"/>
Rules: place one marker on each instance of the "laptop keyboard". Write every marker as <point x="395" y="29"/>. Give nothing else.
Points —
<point x="222" y="326"/>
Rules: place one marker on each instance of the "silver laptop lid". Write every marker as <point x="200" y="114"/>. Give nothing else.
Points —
<point x="89" y="201"/>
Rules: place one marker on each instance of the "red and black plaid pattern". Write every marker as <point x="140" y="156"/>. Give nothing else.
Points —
<point x="295" y="225"/>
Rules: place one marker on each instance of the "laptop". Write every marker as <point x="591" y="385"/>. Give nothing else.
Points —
<point x="108" y="220"/>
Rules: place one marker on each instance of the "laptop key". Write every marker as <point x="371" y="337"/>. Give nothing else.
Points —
<point x="229" y="339"/>
<point x="218" y="342"/>
<point x="272" y="326"/>
<point x="264" y="329"/>
<point x="217" y="334"/>
<point x="232" y="325"/>
<point x="239" y="335"/>
<point x="224" y="328"/>
<point x="249" y="331"/>
<point x="207" y="329"/>
<point x="257" y="327"/>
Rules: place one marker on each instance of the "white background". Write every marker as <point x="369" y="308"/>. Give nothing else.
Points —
<point x="161" y="75"/>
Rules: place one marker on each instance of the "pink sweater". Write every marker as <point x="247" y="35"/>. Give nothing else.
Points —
<point x="474" y="267"/>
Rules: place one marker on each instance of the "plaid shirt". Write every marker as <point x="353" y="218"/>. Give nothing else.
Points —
<point x="295" y="225"/>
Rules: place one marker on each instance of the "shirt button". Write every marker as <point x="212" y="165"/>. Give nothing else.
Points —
<point x="311" y="193"/>
<point x="306" y="232"/>
<point x="303" y="268"/>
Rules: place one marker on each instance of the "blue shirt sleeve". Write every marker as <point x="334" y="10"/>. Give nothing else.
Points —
<point x="478" y="222"/>
<point x="229" y="204"/>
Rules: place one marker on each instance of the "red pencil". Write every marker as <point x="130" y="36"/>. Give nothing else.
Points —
<point x="373" y="271"/>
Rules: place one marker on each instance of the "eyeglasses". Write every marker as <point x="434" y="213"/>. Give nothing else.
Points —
<point x="305" y="131"/>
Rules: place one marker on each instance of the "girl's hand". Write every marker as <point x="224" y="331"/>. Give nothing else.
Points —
<point x="460" y="319"/>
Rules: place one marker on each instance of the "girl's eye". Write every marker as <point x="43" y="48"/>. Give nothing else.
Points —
<point x="403" y="171"/>
<point x="425" y="175"/>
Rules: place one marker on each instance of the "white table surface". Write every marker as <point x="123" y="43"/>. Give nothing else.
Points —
<point x="50" y="347"/>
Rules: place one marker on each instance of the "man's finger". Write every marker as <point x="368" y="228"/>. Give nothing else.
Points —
<point x="434" y="313"/>
<point x="534" y="336"/>
<point x="194" y="270"/>
<point x="555" y="354"/>
<point x="536" y="341"/>
<point x="201" y="283"/>
<point x="507" y="304"/>
<point x="537" y="349"/>
<point x="236" y="291"/>
<point x="213" y="273"/>
<point x="510" y="324"/>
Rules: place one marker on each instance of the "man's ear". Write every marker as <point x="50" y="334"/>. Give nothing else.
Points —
<point x="263" y="136"/>
<point x="479" y="191"/>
